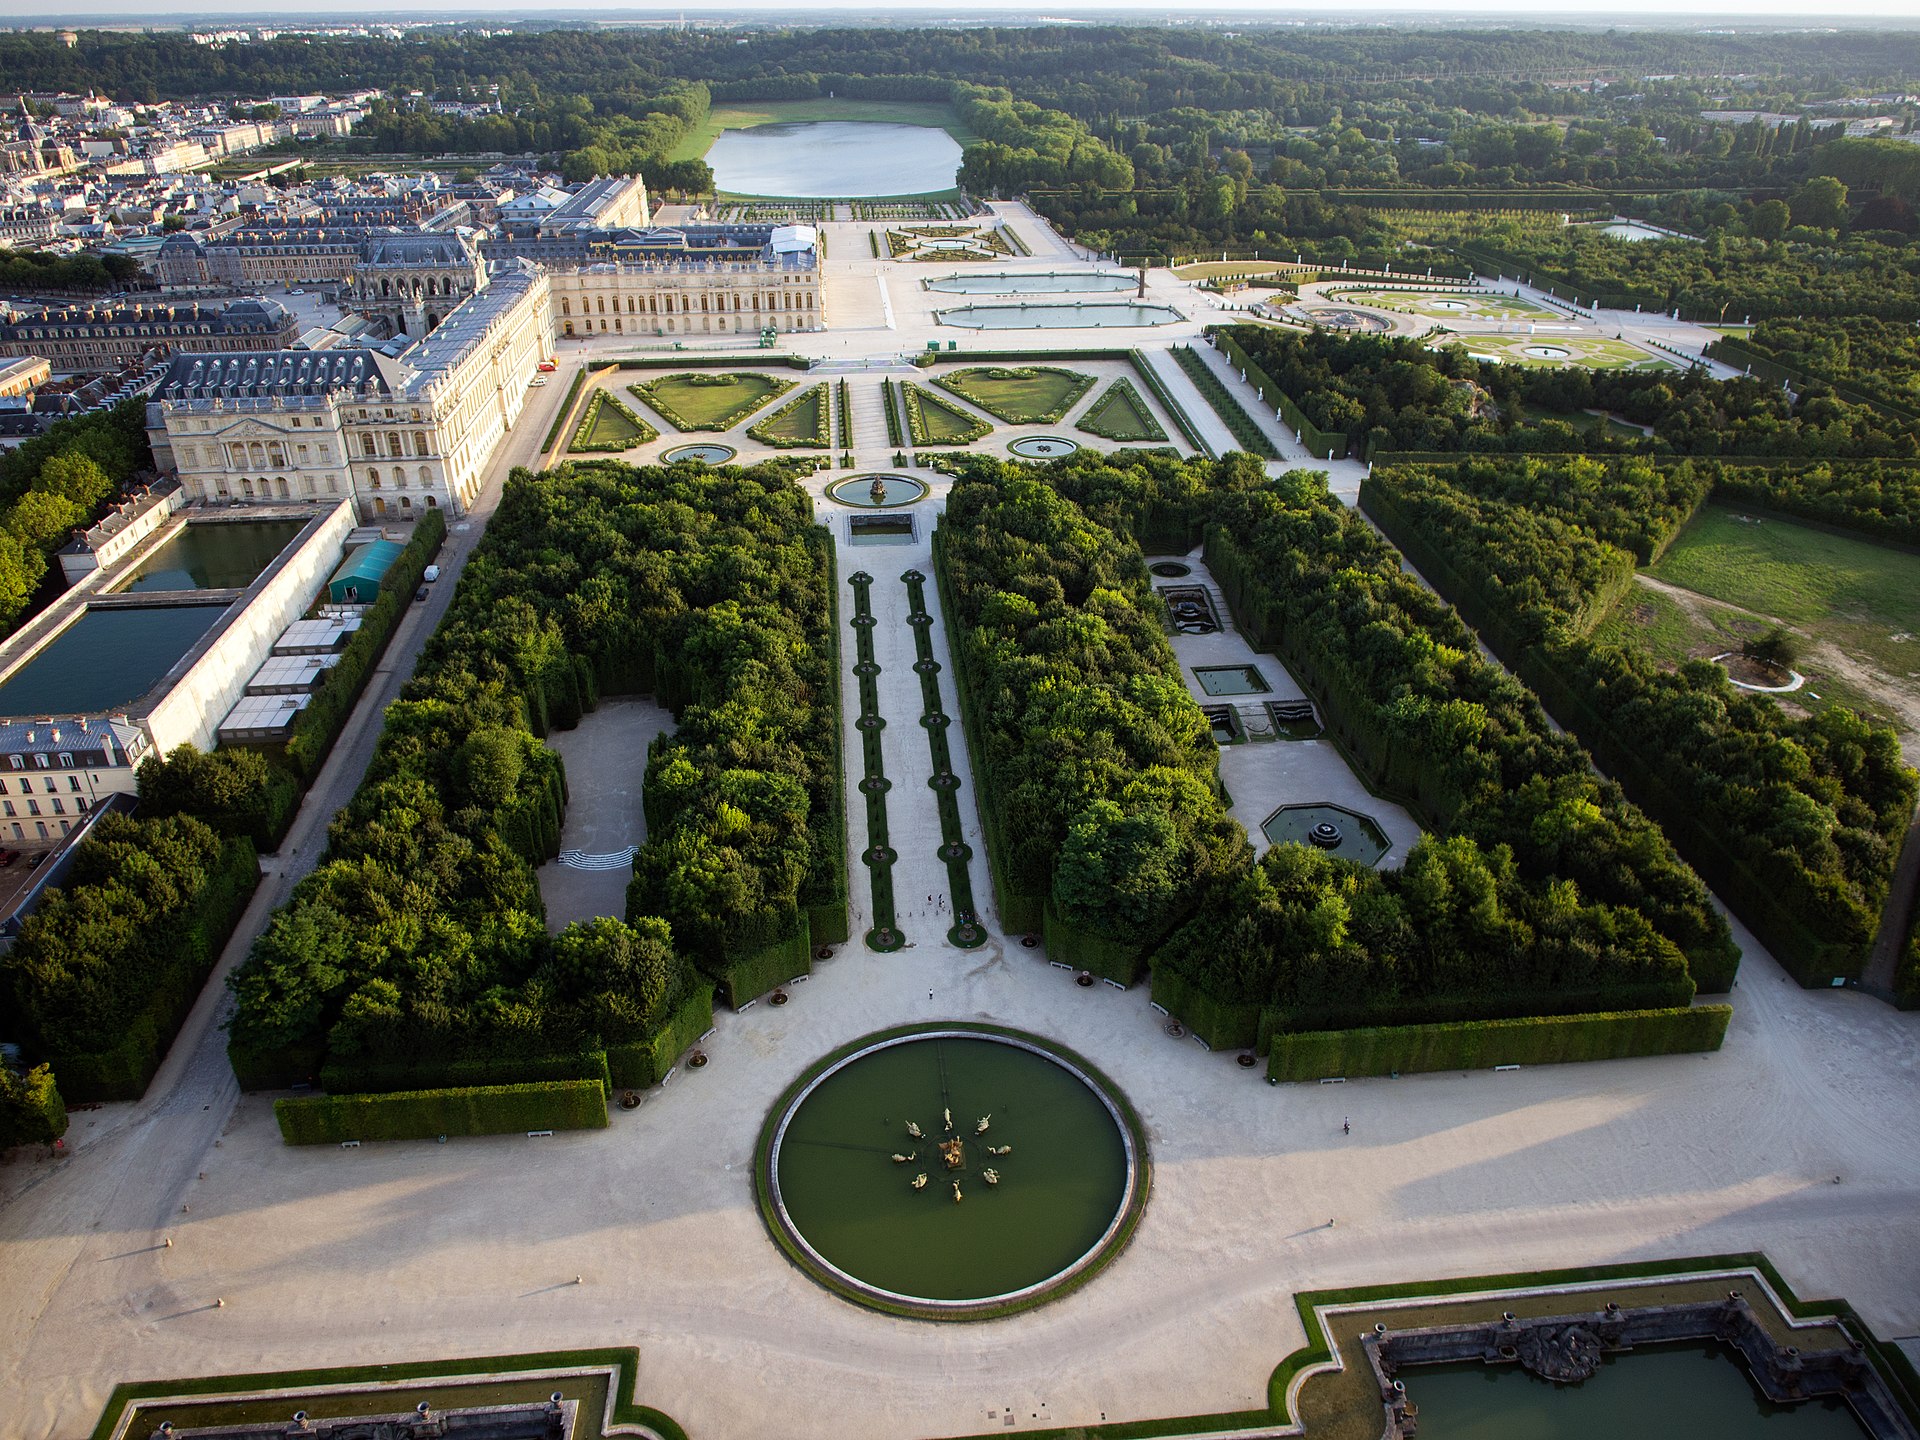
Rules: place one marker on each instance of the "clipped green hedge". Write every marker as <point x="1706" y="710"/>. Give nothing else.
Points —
<point x="1225" y="404"/>
<point x="641" y="1063"/>
<point x="752" y="975"/>
<point x="417" y="1114"/>
<point x="347" y="1077"/>
<point x="921" y="405"/>
<point x="319" y="725"/>
<point x="768" y="431"/>
<point x="1222" y="1025"/>
<point x="1084" y="950"/>
<point x="1318" y="442"/>
<point x="1478" y="1044"/>
<point x="573" y="393"/>
<point x="180" y="960"/>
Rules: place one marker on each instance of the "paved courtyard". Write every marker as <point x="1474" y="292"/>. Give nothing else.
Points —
<point x="606" y="760"/>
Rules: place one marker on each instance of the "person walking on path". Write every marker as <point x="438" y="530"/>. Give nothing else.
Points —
<point x="1346" y="1127"/>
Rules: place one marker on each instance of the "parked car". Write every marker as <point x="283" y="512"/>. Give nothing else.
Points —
<point x="536" y="382"/>
<point x="421" y="593"/>
<point x="430" y="574"/>
<point x="547" y="366"/>
<point x="7" y="857"/>
<point x="37" y="859"/>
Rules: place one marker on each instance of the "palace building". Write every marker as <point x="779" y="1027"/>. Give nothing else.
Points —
<point x="112" y="335"/>
<point x="399" y="434"/>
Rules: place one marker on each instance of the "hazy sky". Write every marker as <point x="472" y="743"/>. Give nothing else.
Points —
<point x="1771" y="13"/>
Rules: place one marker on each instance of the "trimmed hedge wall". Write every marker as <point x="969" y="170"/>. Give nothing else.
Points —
<point x="637" y="1065"/>
<point x="417" y="1114"/>
<point x="1478" y="1044"/>
<point x="181" y="960"/>
<point x="752" y="975"/>
<point x="344" y="1077"/>
<point x="1318" y="442"/>
<point x="319" y="725"/>
<point x="1222" y="1025"/>
<point x="1084" y="950"/>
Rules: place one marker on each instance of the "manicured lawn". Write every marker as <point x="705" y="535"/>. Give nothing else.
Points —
<point x="801" y="421"/>
<point x="1121" y="414"/>
<point x="932" y="421"/>
<point x="785" y="112"/>
<point x="1480" y="305"/>
<point x="609" y="425"/>
<point x="1857" y="594"/>
<point x="705" y="400"/>
<point x="1593" y="352"/>
<point x="1030" y="395"/>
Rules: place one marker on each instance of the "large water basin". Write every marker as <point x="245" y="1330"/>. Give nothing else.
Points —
<point x="107" y="657"/>
<point x="877" y="492"/>
<point x="1053" y="282"/>
<point x="1683" y="1393"/>
<point x="829" y="159"/>
<point x="1078" y="316"/>
<point x="215" y="555"/>
<point x="1068" y="1171"/>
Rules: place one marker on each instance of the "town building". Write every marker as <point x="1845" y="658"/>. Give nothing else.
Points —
<point x="112" y="335"/>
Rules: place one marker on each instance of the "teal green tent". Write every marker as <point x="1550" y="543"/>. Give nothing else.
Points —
<point x="357" y="581"/>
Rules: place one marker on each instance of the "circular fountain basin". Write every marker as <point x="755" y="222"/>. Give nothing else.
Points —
<point x="706" y="454"/>
<point x="1067" y="1193"/>
<point x="893" y="490"/>
<point x="1547" y="352"/>
<point x="1042" y="447"/>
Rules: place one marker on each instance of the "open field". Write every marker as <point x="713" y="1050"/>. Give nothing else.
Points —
<point x="706" y="400"/>
<point x="790" y="112"/>
<point x="1854" y="606"/>
<point x="1863" y="597"/>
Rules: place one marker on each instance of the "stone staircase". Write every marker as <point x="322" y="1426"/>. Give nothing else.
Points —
<point x="869" y="438"/>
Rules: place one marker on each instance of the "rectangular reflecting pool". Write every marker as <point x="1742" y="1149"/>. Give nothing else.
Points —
<point x="1685" y="1392"/>
<point x="1079" y="316"/>
<point x="1231" y="680"/>
<point x="1053" y="282"/>
<point x="107" y="657"/>
<point x="222" y="555"/>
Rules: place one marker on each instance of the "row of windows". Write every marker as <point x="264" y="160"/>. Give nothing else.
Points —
<point x="26" y="786"/>
<point x="33" y="807"/>
<point x="40" y="760"/>
<point x="396" y="447"/>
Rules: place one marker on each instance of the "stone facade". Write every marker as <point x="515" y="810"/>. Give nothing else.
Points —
<point x="113" y="336"/>
<point x="398" y="435"/>
<point x="413" y="281"/>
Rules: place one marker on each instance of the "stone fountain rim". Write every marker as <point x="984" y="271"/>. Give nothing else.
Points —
<point x="1113" y="1238"/>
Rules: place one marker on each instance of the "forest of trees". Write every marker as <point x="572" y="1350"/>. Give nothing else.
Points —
<point x="1797" y="822"/>
<point x="62" y="480"/>
<point x="1542" y="890"/>
<point x="419" y="942"/>
<point x="1388" y="393"/>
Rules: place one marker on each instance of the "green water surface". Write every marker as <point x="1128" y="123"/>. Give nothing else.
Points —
<point x="105" y="658"/>
<point x="222" y="556"/>
<point x="1688" y="1392"/>
<point x="1059" y="1190"/>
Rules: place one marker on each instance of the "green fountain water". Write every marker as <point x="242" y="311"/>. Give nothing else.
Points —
<point x="1065" y="1176"/>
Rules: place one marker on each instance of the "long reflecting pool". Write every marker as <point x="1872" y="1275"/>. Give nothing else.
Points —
<point x="215" y="555"/>
<point x="1022" y="1170"/>
<point x="107" y="657"/>
<point x="1097" y="316"/>
<point x="1053" y="282"/>
<point x="1687" y="1392"/>
<point x="829" y="159"/>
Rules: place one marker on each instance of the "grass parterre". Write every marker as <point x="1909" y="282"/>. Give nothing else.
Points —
<point x="708" y="400"/>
